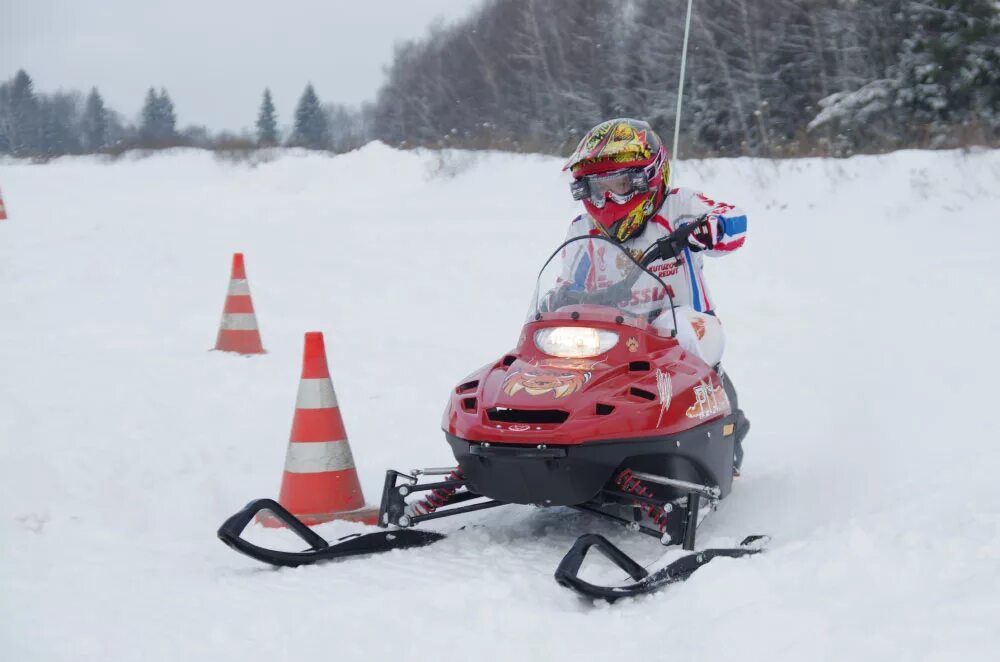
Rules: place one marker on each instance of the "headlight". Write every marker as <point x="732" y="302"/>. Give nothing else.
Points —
<point x="575" y="342"/>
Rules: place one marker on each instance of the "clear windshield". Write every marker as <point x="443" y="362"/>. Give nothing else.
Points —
<point x="591" y="273"/>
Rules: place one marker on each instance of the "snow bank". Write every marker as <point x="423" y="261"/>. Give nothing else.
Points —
<point x="861" y="319"/>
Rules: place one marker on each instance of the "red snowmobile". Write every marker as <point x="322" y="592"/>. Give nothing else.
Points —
<point x="597" y="408"/>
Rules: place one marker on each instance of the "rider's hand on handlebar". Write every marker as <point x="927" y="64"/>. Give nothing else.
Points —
<point x="698" y="235"/>
<point x="705" y="236"/>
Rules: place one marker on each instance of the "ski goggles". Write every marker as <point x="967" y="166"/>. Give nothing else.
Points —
<point x="619" y="186"/>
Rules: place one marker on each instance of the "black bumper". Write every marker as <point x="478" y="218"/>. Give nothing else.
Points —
<point x="570" y="475"/>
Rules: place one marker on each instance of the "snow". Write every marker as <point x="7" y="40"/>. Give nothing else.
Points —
<point x="861" y="320"/>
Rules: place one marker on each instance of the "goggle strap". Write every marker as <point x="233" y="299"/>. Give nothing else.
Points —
<point x="580" y="188"/>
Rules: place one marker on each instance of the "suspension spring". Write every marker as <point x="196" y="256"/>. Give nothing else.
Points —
<point x="435" y="498"/>
<point x="629" y="483"/>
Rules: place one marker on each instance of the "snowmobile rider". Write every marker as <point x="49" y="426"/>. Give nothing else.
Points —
<point x="621" y="173"/>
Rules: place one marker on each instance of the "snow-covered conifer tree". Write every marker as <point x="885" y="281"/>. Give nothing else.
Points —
<point x="24" y="133"/>
<point x="267" y="122"/>
<point x="311" y="127"/>
<point x="94" y="124"/>
<point x="158" y="123"/>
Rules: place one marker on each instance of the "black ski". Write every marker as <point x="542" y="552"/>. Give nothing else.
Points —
<point x="320" y="550"/>
<point x="567" y="574"/>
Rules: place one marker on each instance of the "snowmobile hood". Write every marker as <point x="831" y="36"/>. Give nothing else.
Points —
<point x="646" y="385"/>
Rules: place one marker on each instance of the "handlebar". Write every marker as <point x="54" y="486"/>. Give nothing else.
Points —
<point x="666" y="248"/>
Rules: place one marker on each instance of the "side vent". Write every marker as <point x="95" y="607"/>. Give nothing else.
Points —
<point x="638" y="366"/>
<point x="469" y="404"/>
<point x="603" y="409"/>
<point x="533" y="416"/>
<point x="467" y="387"/>
<point x="639" y="393"/>
<point x="507" y="360"/>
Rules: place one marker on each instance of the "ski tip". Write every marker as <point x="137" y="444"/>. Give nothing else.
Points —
<point x="755" y="543"/>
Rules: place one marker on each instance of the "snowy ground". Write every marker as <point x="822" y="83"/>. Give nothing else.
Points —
<point x="862" y="320"/>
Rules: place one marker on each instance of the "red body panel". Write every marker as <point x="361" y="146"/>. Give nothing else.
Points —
<point x="527" y="380"/>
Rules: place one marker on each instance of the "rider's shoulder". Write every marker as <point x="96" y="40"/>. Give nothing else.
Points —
<point x="578" y="227"/>
<point x="659" y="224"/>
<point x="684" y="193"/>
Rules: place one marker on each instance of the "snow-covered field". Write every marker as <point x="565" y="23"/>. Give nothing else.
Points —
<point x="862" y="322"/>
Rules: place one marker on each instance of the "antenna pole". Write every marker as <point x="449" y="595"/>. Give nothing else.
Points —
<point x="680" y="85"/>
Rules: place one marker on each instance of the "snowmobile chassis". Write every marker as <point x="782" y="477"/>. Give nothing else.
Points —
<point x="449" y="497"/>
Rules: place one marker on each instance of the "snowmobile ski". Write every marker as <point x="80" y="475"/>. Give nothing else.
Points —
<point x="320" y="550"/>
<point x="567" y="574"/>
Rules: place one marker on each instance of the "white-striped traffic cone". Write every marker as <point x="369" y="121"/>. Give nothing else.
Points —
<point x="320" y="482"/>
<point x="238" y="330"/>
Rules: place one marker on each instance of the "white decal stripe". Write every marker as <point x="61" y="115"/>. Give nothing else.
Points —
<point x="318" y="456"/>
<point x="239" y="286"/>
<point x="239" y="321"/>
<point x="316" y="394"/>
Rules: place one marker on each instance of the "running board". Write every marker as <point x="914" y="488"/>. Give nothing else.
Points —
<point x="567" y="574"/>
<point x="319" y="550"/>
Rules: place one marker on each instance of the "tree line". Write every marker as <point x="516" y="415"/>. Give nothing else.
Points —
<point x="776" y="78"/>
<point x="39" y="125"/>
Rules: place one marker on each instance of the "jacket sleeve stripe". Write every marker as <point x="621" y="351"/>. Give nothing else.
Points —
<point x="729" y="245"/>
<point x="695" y="290"/>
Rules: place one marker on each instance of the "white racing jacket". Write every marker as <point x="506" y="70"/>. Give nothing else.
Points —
<point x="682" y="276"/>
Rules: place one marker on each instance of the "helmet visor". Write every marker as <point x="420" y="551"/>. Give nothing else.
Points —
<point x="619" y="186"/>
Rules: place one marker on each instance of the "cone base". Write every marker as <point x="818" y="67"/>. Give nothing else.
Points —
<point x="365" y="515"/>
<point x="236" y="351"/>
<point x="239" y="342"/>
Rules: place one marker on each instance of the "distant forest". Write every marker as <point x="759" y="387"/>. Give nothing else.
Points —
<point x="772" y="79"/>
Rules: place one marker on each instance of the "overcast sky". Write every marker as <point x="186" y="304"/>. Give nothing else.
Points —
<point x="214" y="57"/>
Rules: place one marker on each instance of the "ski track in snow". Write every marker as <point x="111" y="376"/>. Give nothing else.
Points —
<point x="861" y="320"/>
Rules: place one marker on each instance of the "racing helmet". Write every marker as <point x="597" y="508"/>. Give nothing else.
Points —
<point x="620" y="171"/>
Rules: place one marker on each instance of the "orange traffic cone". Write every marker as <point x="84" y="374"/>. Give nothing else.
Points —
<point x="238" y="330"/>
<point x="320" y="482"/>
<point x="3" y="212"/>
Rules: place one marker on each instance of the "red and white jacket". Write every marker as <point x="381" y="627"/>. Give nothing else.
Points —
<point x="682" y="276"/>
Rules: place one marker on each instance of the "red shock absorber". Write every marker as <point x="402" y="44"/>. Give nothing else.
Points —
<point x="632" y="485"/>
<point x="435" y="498"/>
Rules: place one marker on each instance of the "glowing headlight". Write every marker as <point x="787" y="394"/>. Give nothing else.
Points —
<point x="575" y="342"/>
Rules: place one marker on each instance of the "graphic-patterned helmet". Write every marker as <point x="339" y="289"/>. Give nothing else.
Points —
<point x="620" y="172"/>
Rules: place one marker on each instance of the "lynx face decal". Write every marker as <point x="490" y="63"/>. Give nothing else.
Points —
<point x="560" y="377"/>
